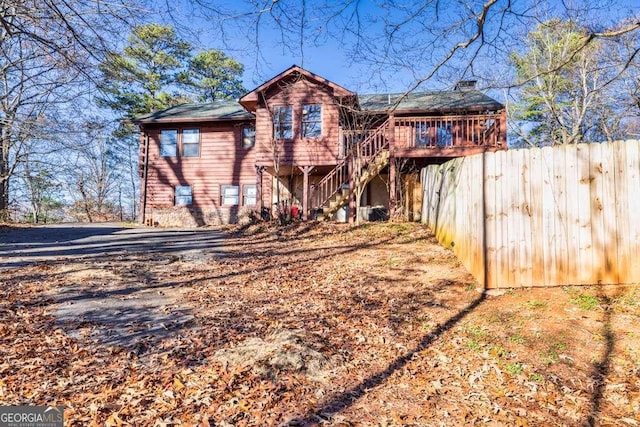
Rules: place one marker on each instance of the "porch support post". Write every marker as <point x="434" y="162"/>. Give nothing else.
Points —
<point x="392" y="187"/>
<point x="391" y="133"/>
<point x="352" y="191"/>
<point x="259" y="171"/>
<point x="306" y="170"/>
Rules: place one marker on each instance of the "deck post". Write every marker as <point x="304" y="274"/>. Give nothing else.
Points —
<point x="351" y="214"/>
<point x="259" y="171"/>
<point x="392" y="187"/>
<point x="306" y="170"/>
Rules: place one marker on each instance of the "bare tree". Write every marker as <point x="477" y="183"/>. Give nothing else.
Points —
<point x="93" y="176"/>
<point x="47" y="53"/>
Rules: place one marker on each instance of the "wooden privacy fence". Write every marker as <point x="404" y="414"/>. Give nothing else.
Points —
<point x="566" y="215"/>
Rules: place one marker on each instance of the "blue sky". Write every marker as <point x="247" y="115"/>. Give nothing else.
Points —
<point x="333" y="59"/>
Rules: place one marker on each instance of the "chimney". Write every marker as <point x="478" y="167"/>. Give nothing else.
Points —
<point x="466" y="84"/>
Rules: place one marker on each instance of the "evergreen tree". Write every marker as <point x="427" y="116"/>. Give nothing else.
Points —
<point x="147" y="74"/>
<point x="214" y="75"/>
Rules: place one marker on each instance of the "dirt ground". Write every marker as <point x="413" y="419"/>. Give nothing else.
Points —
<point x="311" y="324"/>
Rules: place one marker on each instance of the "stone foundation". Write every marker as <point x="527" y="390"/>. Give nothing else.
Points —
<point x="187" y="216"/>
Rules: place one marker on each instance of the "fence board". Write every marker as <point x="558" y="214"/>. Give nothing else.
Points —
<point x="512" y="175"/>
<point x="559" y="185"/>
<point x="526" y="259"/>
<point x="621" y="213"/>
<point x="476" y="246"/>
<point x="540" y="217"/>
<point x="585" y="244"/>
<point x="502" y="224"/>
<point x="572" y="215"/>
<point x="490" y="220"/>
<point x="633" y="200"/>
<point x="548" y="218"/>
<point x="537" y="244"/>
<point x="610" y="227"/>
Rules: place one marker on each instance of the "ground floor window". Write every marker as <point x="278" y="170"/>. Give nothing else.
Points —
<point x="183" y="195"/>
<point x="249" y="195"/>
<point x="229" y="195"/>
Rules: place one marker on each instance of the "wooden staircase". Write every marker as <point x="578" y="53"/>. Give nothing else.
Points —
<point x="369" y="157"/>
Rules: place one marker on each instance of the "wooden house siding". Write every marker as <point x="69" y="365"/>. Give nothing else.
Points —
<point x="298" y="150"/>
<point x="313" y="171"/>
<point x="222" y="161"/>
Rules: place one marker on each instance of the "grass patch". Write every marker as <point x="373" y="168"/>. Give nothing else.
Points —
<point x="536" y="304"/>
<point x="473" y="345"/>
<point x="553" y="356"/>
<point x="585" y="301"/>
<point x="474" y="330"/>
<point x="516" y="338"/>
<point x="536" y="377"/>
<point x="514" y="368"/>
<point x="498" y="352"/>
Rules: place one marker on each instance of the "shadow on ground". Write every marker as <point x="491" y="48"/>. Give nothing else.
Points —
<point x="52" y="243"/>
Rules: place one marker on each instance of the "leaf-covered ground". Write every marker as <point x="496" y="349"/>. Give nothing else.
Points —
<point x="314" y="324"/>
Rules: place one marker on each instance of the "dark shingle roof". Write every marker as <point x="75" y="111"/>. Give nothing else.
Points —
<point x="430" y="101"/>
<point x="445" y="101"/>
<point x="217" y="110"/>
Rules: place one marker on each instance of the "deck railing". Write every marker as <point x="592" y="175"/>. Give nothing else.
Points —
<point x="481" y="130"/>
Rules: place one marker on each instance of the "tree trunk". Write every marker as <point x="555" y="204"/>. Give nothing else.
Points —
<point x="4" y="174"/>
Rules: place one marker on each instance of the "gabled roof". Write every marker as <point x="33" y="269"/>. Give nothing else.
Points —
<point x="441" y="101"/>
<point x="197" y="112"/>
<point x="455" y="101"/>
<point x="250" y="99"/>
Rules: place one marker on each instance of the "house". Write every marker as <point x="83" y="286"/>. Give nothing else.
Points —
<point x="307" y="142"/>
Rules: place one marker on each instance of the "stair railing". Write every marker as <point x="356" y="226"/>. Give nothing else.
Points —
<point x="373" y="143"/>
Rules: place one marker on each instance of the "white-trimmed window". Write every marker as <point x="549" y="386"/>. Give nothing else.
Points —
<point x="312" y="121"/>
<point x="229" y="195"/>
<point x="190" y="142"/>
<point x="183" y="195"/>
<point x="248" y="136"/>
<point x="283" y="122"/>
<point x="249" y="195"/>
<point x="168" y="142"/>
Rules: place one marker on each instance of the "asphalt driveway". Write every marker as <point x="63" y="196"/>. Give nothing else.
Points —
<point x="60" y="242"/>
<point x="110" y="283"/>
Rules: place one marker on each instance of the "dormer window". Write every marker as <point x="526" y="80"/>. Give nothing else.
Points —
<point x="312" y="121"/>
<point x="283" y="122"/>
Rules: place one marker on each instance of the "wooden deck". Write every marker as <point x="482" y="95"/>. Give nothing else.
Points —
<point x="448" y="136"/>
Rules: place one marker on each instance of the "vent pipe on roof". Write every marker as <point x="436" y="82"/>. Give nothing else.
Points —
<point x="466" y="84"/>
<point x="389" y="98"/>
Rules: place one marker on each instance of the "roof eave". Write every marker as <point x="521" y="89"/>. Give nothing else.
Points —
<point x="193" y="120"/>
<point x="433" y="110"/>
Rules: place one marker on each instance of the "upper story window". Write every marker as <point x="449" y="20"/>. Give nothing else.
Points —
<point x="168" y="142"/>
<point x="248" y="136"/>
<point x="283" y="122"/>
<point x="190" y="142"/>
<point x="311" y="121"/>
